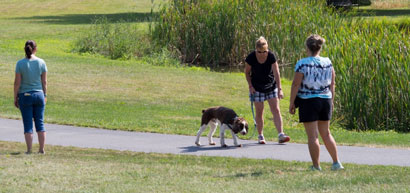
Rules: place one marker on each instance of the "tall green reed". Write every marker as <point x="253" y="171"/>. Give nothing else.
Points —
<point x="374" y="77"/>
<point x="371" y="59"/>
<point x="216" y="32"/>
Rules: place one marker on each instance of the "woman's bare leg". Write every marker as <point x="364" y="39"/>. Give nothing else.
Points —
<point x="313" y="142"/>
<point x="29" y="141"/>
<point x="328" y="139"/>
<point x="41" y="141"/>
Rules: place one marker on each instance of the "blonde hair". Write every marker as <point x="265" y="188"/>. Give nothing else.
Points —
<point x="314" y="43"/>
<point x="261" y="43"/>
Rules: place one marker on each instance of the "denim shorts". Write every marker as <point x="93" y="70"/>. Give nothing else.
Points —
<point x="32" y="106"/>
<point x="262" y="96"/>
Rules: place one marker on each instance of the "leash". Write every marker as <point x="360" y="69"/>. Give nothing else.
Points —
<point x="254" y="121"/>
<point x="253" y="115"/>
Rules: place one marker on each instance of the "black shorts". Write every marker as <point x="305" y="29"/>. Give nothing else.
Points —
<point x="314" y="109"/>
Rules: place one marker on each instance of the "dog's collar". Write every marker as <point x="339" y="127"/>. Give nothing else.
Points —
<point x="230" y="127"/>
<point x="234" y="119"/>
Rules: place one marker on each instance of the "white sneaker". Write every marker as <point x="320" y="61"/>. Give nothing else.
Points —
<point x="261" y="139"/>
<point x="337" y="166"/>
<point x="313" y="168"/>
<point x="283" y="138"/>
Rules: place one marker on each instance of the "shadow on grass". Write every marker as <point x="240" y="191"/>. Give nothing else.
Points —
<point x="384" y="12"/>
<point x="89" y="18"/>
<point x="243" y="175"/>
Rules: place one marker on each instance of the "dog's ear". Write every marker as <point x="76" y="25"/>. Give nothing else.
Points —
<point x="246" y="126"/>
<point x="240" y="119"/>
<point x="203" y="110"/>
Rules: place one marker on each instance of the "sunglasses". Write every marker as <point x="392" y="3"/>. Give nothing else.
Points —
<point x="262" y="52"/>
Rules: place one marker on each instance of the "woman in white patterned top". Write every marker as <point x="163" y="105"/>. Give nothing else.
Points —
<point x="313" y="90"/>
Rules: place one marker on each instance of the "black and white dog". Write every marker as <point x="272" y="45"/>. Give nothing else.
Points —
<point x="227" y="118"/>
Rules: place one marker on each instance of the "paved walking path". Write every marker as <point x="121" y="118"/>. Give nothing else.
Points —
<point x="12" y="130"/>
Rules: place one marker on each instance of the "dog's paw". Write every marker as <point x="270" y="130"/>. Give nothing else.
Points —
<point x="213" y="143"/>
<point x="224" y="146"/>
<point x="197" y="144"/>
<point x="240" y="145"/>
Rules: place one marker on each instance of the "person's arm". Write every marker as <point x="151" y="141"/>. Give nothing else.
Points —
<point x="276" y="74"/>
<point x="297" y="80"/>
<point x="44" y="83"/>
<point x="333" y="85"/>
<point x="17" y="83"/>
<point x="248" y="69"/>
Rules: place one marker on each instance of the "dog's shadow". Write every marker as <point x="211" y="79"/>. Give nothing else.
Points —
<point x="257" y="144"/>
<point x="194" y="148"/>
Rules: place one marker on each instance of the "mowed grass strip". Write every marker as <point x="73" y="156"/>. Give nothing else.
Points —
<point x="386" y="4"/>
<point x="67" y="169"/>
<point x="14" y="8"/>
<point x="396" y="12"/>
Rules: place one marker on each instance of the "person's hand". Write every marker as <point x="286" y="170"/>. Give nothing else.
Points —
<point x="292" y="108"/>
<point x="333" y="106"/>
<point x="16" y="102"/>
<point x="252" y="90"/>
<point x="280" y="94"/>
<point x="45" y="100"/>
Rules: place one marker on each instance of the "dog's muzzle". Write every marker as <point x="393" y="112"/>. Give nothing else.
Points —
<point x="243" y="132"/>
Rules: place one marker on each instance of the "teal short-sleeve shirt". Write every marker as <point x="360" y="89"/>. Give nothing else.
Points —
<point x="31" y="71"/>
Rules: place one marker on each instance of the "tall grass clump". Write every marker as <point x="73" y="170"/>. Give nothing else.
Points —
<point x="373" y="76"/>
<point x="114" y="40"/>
<point x="371" y="59"/>
<point x="214" y="33"/>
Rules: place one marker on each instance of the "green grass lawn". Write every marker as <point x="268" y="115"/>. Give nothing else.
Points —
<point x="93" y="91"/>
<point x="396" y="12"/>
<point x="390" y="4"/>
<point x="67" y="169"/>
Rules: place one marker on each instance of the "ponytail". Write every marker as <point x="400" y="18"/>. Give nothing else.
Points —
<point x="314" y="43"/>
<point x="29" y="48"/>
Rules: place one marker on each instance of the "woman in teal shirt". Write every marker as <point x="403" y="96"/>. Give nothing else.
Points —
<point x="30" y="88"/>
